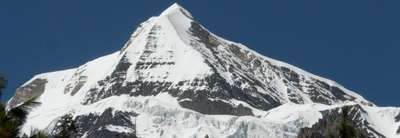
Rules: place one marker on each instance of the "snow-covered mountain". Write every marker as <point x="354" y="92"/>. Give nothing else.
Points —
<point x="174" y="78"/>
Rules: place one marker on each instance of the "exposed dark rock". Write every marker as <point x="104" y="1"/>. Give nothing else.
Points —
<point x="338" y="93"/>
<point x="294" y="98"/>
<point x="398" y="131"/>
<point x="216" y="80"/>
<point x="290" y="75"/>
<point x="217" y="89"/>
<point x="115" y="80"/>
<point x="316" y="88"/>
<point x="149" y="65"/>
<point x="337" y="122"/>
<point x="65" y="127"/>
<point x="397" y="118"/>
<point x="310" y="133"/>
<point x="29" y="91"/>
<point x="75" y="86"/>
<point x="186" y="14"/>
<point x="317" y="96"/>
<point x="96" y="126"/>
<point x="199" y="99"/>
<point x="236" y="50"/>
<point x="81" y="82"/>
<point x="212" y="107"/>
<point x="204" y="36"/>
<point x="243" y="55"/>
<point x="257" y="63"/>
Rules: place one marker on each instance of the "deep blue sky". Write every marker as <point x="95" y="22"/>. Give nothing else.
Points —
<point x="355" y="42"/>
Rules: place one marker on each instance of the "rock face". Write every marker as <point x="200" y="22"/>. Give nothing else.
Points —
<point x="398" y="120"/>
<point x="348" y="121"/>
<point x="31" y="90"/>
<point x="107" y="125"/>
<point x="174" y="78"/>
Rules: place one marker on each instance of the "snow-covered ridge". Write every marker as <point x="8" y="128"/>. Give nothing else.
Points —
<point x="174" y="78"/>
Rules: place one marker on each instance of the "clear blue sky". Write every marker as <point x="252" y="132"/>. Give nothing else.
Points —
<point x="355" y="42"/>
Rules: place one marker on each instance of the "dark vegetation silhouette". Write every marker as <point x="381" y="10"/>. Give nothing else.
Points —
<point x="345" y="128"/>
<point x="12" y="120"/>
<point x="3" y="82"/>
<point x="334" y="126"/>
<point x="66" y="127"/>
<point x="8" y="124"/>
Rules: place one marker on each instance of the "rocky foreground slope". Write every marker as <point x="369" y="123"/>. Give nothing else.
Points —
<point x="174" y="78"/>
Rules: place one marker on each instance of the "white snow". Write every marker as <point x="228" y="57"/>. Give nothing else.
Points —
<point x="120" y="129"/>
<point x="169" y="49"/>
<point x="54" y="102"/>
<point x="383" y="120"/>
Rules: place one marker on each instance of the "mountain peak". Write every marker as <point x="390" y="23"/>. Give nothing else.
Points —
<point x="173" y="70"/>
<point x="175" y="8"/>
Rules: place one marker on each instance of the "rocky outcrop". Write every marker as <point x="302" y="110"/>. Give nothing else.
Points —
<point x="347" y="121"/>
<point x="397" y="119"/>
<point x="76" y="82"/>
<point x="27" y="92"/>
<point x="109" y="124"/>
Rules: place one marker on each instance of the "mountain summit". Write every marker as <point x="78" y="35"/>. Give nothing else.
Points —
<point x="173" y="9"/>
<point x="174" y="78"/>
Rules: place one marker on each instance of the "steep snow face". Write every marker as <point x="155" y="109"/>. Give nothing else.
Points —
<point x="57" y="98"/>
<point x="174" y="78"/>
<point x="173" y="53"/>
